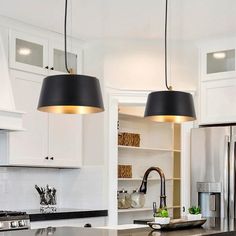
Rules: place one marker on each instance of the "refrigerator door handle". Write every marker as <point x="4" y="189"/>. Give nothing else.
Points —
<point x="231" y="178"/>
<point x="225" y="192"/>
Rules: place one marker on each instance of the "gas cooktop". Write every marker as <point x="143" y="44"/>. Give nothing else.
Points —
<point x="14" y="220"/>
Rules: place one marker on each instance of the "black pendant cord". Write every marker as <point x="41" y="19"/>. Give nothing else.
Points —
<point x="166" y="18"/>
<point x="65" y="37"/>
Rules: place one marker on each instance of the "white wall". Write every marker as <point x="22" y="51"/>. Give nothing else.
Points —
<point x="139" y="65"/>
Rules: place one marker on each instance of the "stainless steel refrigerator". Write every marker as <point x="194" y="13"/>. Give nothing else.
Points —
<point x="213" y="170"/>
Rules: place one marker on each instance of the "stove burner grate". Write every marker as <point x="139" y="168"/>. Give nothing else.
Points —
<point x="11" y="213"/>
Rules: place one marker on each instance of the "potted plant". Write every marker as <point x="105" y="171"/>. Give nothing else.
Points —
<point x="194" y="213"/>
<point x="162" y="216"/>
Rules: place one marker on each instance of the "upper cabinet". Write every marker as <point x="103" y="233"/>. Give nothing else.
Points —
<point x="217" y="60"/>
<point x="217" y="83"/>
<point x="29" y="147"/>
<point x="28" y="53"/>
<point x="217" y="101"/>
<point x="49" y="140"/>
<point x="42" y="55"/>
<point x="57" y="58"/>
<point x="65" y="140"/>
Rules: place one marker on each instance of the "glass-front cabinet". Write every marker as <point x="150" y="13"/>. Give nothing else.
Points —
<point x="57" y="58"/>
<point x="42" y="55"/>
<point x="28" y="52"/>
<point x="218" y="60"/>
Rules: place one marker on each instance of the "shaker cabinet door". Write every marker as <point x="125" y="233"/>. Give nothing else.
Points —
<point x="65" y="140"/>
<point x="218" y="101"/>
<point x="29" y="147"/>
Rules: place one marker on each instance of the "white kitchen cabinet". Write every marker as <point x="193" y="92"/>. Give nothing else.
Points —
<point x="42" y="55"/>
<point x="28" y="52"/>
<point x="217" y="82"/>
<point x="57" y="57"/>
<point x="48" y="140"/>
<point x="217" y="59"/>
<point x="65" y="132"/>
<point x="217" y="101"/>
<point x="95" y="222"/>
<point x="28" y="147"/>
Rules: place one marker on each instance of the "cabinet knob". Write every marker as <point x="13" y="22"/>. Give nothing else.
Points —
<point x="51" y="158"/>
<point x="46" y="158"/>
<point x="88" y="225"/>
<point x="52" y="68"/>
<point x="46" y="67"/>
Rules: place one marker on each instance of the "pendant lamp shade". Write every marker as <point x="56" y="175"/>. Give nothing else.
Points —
<point x="170" y="106"/>
<point x="71" y="94"/>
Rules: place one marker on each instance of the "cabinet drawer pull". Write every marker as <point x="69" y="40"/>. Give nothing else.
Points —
<point x="51" y="158"/>
<point x="46" y="67"/>
<point x="52" y="68"/>
<point x="46" y="158"/>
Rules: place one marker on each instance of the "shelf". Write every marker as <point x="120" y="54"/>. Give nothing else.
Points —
<point x="142" y="209"/>
<point x="147" y="149"/>
<point x="150" y="179"/>
<point x="130" y="117"/>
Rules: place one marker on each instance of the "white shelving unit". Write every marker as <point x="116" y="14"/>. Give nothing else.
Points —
<point x="140" y="179"/>
<point x="159" y="146"/>
<point x="143" y="209"/>
<point x="147" y="149"/>
<point x="162" y="144"/>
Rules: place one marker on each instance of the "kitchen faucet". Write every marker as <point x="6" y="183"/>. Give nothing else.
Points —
<point x="143" y="187"/>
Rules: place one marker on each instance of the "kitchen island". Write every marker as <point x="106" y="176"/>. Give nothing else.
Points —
<point x="212" y="227"/>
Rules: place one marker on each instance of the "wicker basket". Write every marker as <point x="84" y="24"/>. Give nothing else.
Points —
<point x="124" y="171"/>
<point x="129" y="139"/>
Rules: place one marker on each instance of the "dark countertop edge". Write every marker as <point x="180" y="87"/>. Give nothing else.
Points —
<point x="67" y="215"/>
<point x="142" y="221"/>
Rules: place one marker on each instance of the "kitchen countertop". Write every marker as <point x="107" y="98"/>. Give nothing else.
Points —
<point x="64" y="213"/>
<point x="73" y="231"/>
<point x="212" y="227"/>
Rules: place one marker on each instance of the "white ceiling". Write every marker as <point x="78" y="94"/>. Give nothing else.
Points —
<point x="139" y="19"/>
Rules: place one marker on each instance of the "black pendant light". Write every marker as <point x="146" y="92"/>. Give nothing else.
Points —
<point x="70" y="93"/>
<point x="169" y="106"/>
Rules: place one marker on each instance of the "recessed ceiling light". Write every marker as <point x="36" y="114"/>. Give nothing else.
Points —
<point x="24" y="51"/>
<point x="219" y="55"/>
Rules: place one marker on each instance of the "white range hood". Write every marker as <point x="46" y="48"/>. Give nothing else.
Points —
<point x="10" y="119"/>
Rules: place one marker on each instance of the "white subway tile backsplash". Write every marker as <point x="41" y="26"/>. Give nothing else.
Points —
<point x="85" y="190"/>
<point x="80" y="188"/>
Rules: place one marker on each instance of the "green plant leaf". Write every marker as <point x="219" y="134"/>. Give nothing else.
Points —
<point x="194" y="210"/>
<point x="161" y="213"/>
